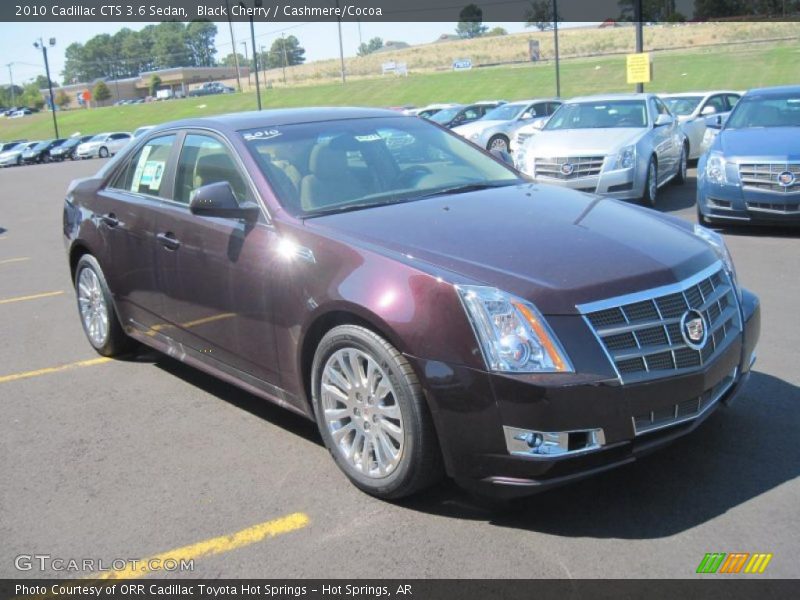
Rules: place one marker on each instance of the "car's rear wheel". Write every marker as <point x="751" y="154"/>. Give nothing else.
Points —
<point x="103" y="152"/>
<point x="498" y="142"/>
<point x="680" y="176"/>
<point x="651" y="184"/>
<point x="372" y="415"/>
<point x="98" y="317"/>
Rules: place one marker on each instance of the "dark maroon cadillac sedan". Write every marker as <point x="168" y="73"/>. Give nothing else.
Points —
<point x="429" y="308"/>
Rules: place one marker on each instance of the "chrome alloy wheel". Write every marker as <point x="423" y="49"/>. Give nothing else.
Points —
<point x="362" y="413"/>
<point x="652" y="181"/>
<point x="92" y="303"/>
<point x="499" y="143"/>
<point x="684" y="164"/>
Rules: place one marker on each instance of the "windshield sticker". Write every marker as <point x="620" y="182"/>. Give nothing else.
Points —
<point x="266" y="134"/>
<point x="137" y="175"/>
<point x="151" y="174"/>
<point x="373" y="137"/>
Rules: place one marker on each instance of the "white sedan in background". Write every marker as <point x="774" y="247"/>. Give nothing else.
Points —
<point x="697" y="110"/>
<point x="103" y="145"/>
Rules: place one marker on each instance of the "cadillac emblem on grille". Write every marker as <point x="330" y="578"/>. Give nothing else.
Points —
<point x="567" y="169"/>
<point x="693" y="328"/>
<point x="786" y="178"/>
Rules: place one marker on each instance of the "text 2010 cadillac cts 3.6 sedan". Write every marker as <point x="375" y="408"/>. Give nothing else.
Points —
<point x="430" y="309"/>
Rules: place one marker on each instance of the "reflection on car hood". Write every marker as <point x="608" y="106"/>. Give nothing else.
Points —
<point x="781" y="142"/>
<point x="554" y="246"/>
<point x="575" y="142"/>
<point x="11" y="154"/>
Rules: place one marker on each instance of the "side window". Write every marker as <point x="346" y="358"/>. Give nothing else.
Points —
<point x="732" y="100"/>
<point x="662" y="108"/>
<point x="717" y="102"/>
<point x="472" y="113"/>
<point x="206" y="160"/>
<point x="120" y="136"/>
<point x="145" y="170"/>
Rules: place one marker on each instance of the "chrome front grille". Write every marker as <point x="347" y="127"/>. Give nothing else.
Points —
<point x="686" y="410"/>
<point x="774" y="207"/>
<point x="567" y="167"/>
<point x="764" y="176"/>
<point x="641" y="333"/>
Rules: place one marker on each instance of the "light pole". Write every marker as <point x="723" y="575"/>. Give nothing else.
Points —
<point x="256" y="3"/>
<point x="11" y="79"/>
<point x="555" y="39"/>
<point x="40" y="44"/>
<point x="639" y="36"/>
<point x="233" y="46"/>
<point x="341" y="48"/>
<point x="283" y="49"/>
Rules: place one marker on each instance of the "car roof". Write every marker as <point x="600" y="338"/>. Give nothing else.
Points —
<point x="281" y="116"/>
<point x="706" y="93"/>
<point x="777" y="90"/>
<point x="608" y="97"/>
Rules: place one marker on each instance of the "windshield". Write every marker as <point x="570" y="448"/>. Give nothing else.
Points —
<point x="601" y="114"/>
<point x="771" y="110"/>
<point x="445" y="115"/>
<point x="335" y="166"/>
<point x="682" y="105"/>
<point x="42" y="145"/>
<point x="99" y="138"/>
<point x="13" y="146"/>
<point x="506" y="112"/>
<point x="71" y="142"/>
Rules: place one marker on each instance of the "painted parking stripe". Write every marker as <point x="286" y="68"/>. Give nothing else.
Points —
<point x="8" y="261"/>
<point x="211" y="547"/>
<point x="49" y="370"/>
<point x="31" y="297"/>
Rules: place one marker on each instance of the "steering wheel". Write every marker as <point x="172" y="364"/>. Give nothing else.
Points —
<point x="410" y="176"/>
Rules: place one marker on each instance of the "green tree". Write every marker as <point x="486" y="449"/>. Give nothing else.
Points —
<point x="101" y="92"/>
<point x="170" y="48"/>
<point x="200" y="40"/>
<point x="497" y="31"/>
<point x="153" y="84"/>
<point x="63" y="99"/>
<point x="41" y="81"/>
<point x="286" y="49"/>
<point x="371" y="46"/>
<point x="229" y="61"/>
<point x="31" y="96"/>
<point x="540" y="14"/>
<point x="470" y="22"/>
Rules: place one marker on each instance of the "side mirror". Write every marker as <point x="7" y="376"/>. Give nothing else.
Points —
<point x="708" y="110"/>
<point x="662" y="120"/>
<point x="218" y="200"/>
<point x="715" y="123"/>
<point x="540" y="123"/>
<point x="503" y="156"/>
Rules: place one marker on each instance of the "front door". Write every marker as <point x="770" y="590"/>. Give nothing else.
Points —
<point x="215" y="272"/>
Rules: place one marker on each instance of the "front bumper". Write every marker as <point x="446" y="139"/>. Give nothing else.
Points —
<point x="733" y="203"/>
<point x="623" y="184"/>
<point x="87" y="153"/>
<point x="471" y="408"/>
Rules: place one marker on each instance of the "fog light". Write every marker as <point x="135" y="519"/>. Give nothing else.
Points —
<point x="552" y="444"/>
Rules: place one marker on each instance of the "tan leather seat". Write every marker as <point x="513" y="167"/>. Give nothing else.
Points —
<point x="212" y="168"/>
<point x="329" y="180"/>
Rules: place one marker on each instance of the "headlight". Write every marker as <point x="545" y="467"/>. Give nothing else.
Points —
<point x="512" y="334"/>
<point x="715" y="168"/>
<point x="627" y="157"/>
<point x="717" y="243"/>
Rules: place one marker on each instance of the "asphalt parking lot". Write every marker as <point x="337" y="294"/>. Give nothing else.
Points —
<point x="127" y="459"/>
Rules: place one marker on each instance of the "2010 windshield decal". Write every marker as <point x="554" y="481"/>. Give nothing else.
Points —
<point x="266" y="134"/>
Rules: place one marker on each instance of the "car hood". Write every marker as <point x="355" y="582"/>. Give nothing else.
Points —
<point x="777" y="142"/>
<point x="577" y="142"/>
<point x="553" y="246"/>
<point x="11" y="153"/>
<point x="476" y="127"/>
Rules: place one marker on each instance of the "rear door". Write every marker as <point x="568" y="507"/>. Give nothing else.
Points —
<point x="666" y="141"/>
<point x="125" y="211"/>
<point x="215" y="273"/>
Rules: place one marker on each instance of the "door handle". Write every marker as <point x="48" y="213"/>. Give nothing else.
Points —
<point x="110" y="219"/>
<point x="168" y="240"/>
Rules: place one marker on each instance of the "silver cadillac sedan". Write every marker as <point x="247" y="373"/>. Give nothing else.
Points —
<point x="496" y="128"/>
<point x="622" y="145"/>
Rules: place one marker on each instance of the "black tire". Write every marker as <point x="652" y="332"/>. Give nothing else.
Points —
<point x="499" y="139"/>
<point x="19" y="161"/>
<point x="116" y="342"/>
<point x="420" y="464"/>
<point x="680" y="176"/>
<point x="103" y="152"/>
<point x="650" y="196"/>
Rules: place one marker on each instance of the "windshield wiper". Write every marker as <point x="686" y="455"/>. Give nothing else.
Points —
<point x="469" y="187"/>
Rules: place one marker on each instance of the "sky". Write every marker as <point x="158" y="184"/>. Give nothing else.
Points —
<point x="319" y="39"/>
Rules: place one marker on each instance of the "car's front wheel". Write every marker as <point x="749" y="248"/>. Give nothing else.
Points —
<point x="498" y="142"/>
<point x="680" y="175"/>
<point x="651" y="184"/>
<point x="98" y="317"/>
<point x="103" y="152"/>
<point x="372" y="415"/>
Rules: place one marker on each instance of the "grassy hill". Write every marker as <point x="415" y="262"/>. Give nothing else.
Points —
<point x="731" y="67"/>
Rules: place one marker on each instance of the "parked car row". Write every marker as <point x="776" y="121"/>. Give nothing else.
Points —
<point x="76" y="147"/>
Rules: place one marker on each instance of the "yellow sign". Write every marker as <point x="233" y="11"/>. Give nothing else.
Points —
<point x="639" y="70"/>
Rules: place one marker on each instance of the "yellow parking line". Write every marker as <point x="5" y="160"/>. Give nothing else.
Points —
<point x="32" y="297"/>
<point x="217" y="545"/>
<point x="8" y="261"/>
<point x="48" y="370"/>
